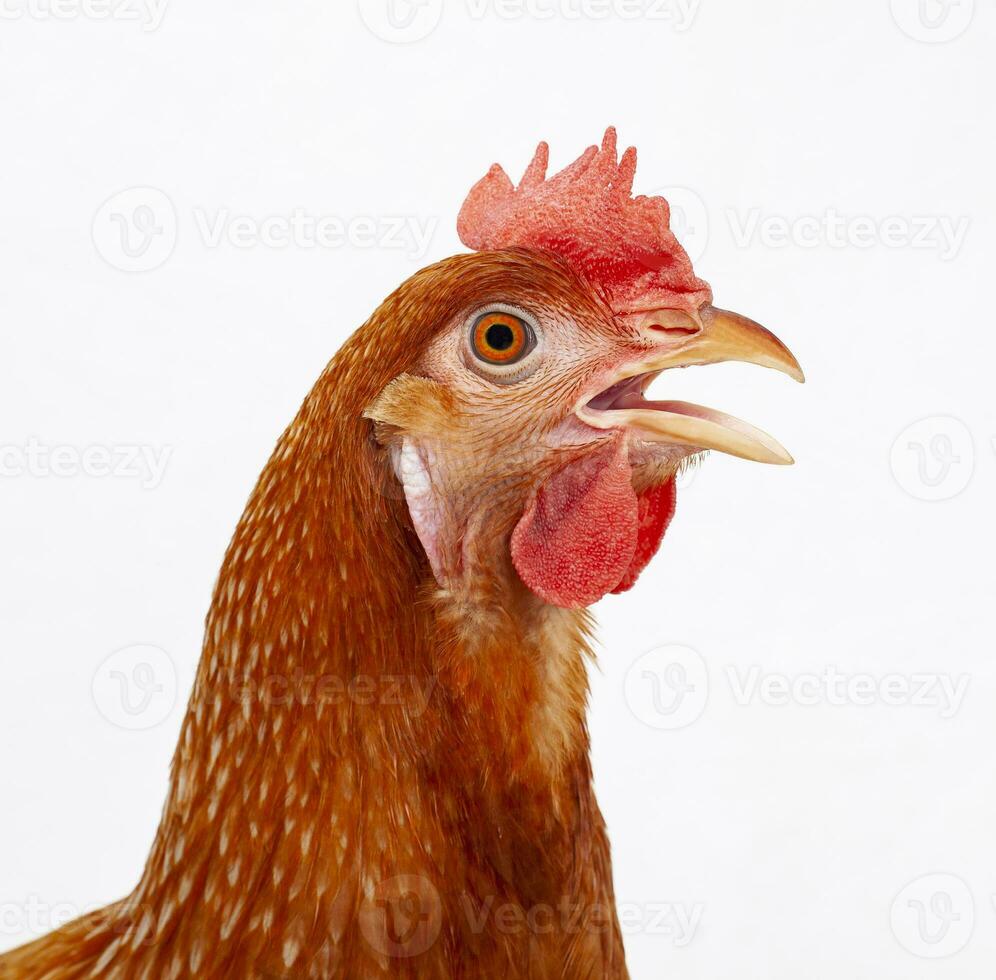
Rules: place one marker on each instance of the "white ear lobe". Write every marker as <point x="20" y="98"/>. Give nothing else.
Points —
<point x="413" y="467"/>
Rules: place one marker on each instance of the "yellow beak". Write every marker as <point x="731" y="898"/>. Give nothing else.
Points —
<point x="714" y="335"/>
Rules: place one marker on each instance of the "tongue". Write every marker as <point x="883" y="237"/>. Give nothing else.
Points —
<point x="586" y="533"/>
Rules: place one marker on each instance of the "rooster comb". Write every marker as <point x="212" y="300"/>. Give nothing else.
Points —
<point x="587" y="215"/>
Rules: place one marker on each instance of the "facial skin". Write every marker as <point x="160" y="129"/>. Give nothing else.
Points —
<point x="529" y="414"/>
<point x="475" y="443"/>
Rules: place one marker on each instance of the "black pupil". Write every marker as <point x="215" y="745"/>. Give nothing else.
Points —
<point x="499" y="336"/>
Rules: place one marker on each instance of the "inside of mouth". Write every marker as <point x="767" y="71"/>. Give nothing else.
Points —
<point x="623" y="393"/>
<point x="630" y="393"/>
<point x="624" y="404"/>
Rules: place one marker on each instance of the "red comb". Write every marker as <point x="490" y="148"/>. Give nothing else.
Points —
<point x="586" y="214"/>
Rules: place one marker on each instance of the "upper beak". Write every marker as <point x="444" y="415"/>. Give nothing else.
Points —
<point x="681" y="340"/>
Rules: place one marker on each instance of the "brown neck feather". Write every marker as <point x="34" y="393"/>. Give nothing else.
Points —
<point x="356" y="738"/>
<point x="349" y="725"/>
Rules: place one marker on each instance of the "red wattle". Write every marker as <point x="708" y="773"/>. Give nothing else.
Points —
<point x="656" y="508"/>
<point x="578" y="536"/>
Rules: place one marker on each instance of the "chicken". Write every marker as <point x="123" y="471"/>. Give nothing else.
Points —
<point x="383" y="770"/>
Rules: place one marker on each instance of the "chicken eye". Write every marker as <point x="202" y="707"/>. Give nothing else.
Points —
<point x="501" y="338"/>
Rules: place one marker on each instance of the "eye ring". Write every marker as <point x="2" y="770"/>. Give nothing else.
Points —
<point x="501" y="341"/>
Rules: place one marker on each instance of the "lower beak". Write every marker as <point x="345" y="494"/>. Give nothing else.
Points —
<point x="715" y="335"/>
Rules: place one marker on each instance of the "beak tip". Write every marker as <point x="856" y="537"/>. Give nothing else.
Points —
<point x="790" y="366"/>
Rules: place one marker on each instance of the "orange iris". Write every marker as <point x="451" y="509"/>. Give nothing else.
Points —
<point x="500" y="338"/>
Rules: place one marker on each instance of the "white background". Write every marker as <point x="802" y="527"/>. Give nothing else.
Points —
<point x="802" y="140"/>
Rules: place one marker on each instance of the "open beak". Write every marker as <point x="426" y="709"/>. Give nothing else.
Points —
<point x="715" y="335"/>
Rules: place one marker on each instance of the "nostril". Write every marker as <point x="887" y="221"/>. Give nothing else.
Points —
<point x="674" y="324"/>
<point x="675" y="329"/>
